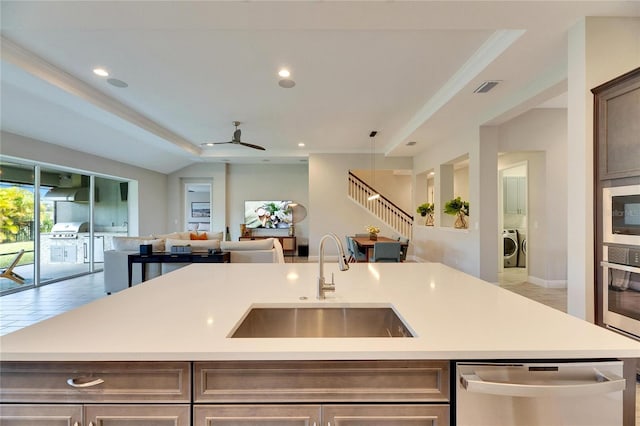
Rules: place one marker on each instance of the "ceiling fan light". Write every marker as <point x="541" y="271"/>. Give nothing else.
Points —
<point x="284" y="73"/>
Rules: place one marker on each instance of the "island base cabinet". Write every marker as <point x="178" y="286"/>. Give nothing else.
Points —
<point x="94" y="415"/>
<point x="325" y="415"/>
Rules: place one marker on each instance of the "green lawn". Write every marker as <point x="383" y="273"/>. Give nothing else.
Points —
<point x="8" y="250"/>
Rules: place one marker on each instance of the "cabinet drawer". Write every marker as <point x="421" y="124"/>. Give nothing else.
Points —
<point x="95" y="382"/>
<point x="322" y="381"/>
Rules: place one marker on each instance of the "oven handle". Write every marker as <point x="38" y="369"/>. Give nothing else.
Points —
<point x="602" y="383"/>
<point x="621" y="267"/>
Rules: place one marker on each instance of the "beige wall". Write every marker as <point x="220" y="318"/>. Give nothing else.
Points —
<point x="147" y="194"/>
<point x="331" y="209"/>
<point x="600" y="49"/>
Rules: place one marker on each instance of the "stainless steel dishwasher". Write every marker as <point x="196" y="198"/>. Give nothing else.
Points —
<point x="539" y="394"/>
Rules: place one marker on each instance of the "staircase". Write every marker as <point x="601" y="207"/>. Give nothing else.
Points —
<point x="383" y="208"/>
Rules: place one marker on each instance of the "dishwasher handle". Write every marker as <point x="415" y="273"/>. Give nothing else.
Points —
<point x="602" y="384"/>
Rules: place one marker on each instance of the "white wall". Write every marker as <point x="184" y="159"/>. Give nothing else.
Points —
<point x="539" y="137"/>
<point x="147" y="194"/>
<point x="600" y="49"/>
<point x="330" y="208"/>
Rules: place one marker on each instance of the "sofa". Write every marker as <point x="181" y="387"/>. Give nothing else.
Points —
<point x="116" y="274"/>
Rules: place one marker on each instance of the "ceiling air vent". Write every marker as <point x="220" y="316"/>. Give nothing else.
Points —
<point x="486" y="86"/>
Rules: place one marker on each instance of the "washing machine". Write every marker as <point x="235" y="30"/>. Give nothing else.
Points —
<point x="522" y="249"/>
<point x="510" y="242"/>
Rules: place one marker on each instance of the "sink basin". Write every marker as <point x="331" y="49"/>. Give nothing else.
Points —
<point x="321" y="322"/>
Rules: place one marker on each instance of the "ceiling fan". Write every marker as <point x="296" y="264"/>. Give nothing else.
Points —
<point x="235" y="140"/>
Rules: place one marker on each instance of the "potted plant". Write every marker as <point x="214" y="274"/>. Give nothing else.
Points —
<point x="459" y="208"/>
<point x="373" y="232"/>
<point x="427" y="210"/>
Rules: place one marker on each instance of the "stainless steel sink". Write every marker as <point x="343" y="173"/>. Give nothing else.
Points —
<point x="321" y="322"/>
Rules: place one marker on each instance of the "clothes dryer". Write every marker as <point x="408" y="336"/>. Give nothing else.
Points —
<point x="522" y="249"/>
<point x="510" y="243"/>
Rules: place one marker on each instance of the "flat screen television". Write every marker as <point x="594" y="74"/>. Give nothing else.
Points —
<point x="268" y="214"/>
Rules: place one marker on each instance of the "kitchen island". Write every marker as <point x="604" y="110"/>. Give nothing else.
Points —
<point x="188" y="315"/>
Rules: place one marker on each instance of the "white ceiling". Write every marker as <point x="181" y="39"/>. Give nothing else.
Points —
<point x="406" y="69"/>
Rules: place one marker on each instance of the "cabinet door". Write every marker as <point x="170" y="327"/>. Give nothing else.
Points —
<point x="137" y="415"/>
<point x="40" y="415"/>
<point x="256" y="415"/>
<point x="510" y="190"/>
<point x="385" y="415"/>
<point x="288" y="244"/>
<point x="522" y="194"/>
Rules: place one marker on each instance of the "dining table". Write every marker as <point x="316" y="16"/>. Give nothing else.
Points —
<point x="365" y="244"/>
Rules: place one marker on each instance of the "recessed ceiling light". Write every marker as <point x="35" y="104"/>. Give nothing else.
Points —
<point x="301" y="144"/>
<point x="101" y="72"/>
<point x="284" y="73"/>
<point x="207" y="144"/>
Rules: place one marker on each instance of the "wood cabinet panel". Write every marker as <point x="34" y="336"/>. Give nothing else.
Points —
<point x="385" y="415"/>
<point x="321" y="381"/>
<point x="138" y="415"/>
<point x="128" y="382"/>
<point x="40" y="415"/>
<point x="256" y="415"/>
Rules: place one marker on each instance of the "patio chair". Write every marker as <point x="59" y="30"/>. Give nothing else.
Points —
<point x="8" y="272"/>
<point x="386" y="252"/>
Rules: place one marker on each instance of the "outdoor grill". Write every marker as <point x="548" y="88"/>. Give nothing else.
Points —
<point x="68" y="230"/>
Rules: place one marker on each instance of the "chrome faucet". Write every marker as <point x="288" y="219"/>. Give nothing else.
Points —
<point x="324" y="287"/>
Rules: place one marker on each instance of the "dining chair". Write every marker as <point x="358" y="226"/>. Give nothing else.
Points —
<point x="8" y="271"/>
<point x="386" y="252"/>
<point x="355" y="255"/>
<point x="404" y="247"/>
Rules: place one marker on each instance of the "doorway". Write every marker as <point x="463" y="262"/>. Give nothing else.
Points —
<point x="197" y="213"/>
<point x="513" y="187"/>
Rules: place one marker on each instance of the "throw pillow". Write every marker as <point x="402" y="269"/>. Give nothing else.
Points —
<point x="202" y="236"/>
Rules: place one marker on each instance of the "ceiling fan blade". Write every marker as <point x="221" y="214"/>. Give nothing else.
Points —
<point x="250" y="145"/>
<point x="222" y="143"/>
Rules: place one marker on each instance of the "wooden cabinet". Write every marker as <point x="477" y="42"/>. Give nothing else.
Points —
<point x="617" y="127"/>
<point x="96" y="415"/>
<point x="41" y="415"/>
<point x="288" y="243"/>
<point x="385" y="415"/>
<point x="226" y="393"/>
<point x="321" y="381"/>
<point x="98" y="393"/>
<point x="515" y="194"/>
<point x="257" y="415"/>
<point x="316" y="415"/>
<point x="127" y="415"/>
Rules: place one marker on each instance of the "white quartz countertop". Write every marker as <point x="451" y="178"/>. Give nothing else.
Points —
<point x="187" y="315"/>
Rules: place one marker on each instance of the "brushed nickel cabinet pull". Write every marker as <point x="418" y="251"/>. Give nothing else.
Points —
<point x="77" y="383"/>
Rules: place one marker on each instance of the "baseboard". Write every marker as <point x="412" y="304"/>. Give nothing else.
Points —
<point x="547" y="283"/>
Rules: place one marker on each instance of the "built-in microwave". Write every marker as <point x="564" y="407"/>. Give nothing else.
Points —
<point x="621" y="215"/>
